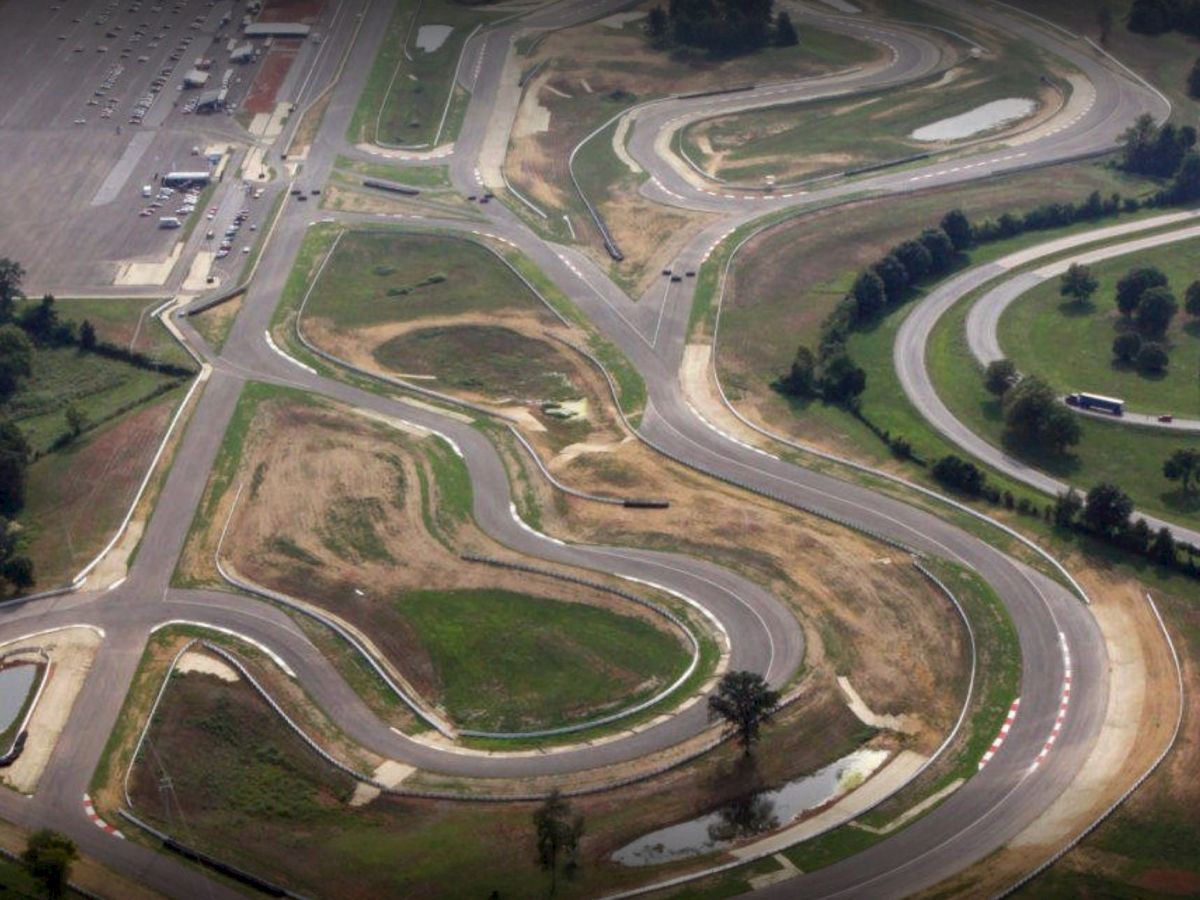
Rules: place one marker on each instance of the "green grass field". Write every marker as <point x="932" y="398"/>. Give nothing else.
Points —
<point x="378" y="277"/>
<point x="509" y="661"/>
<point x="416" y="176"/>
<point x="1035" y="330"/>
<point x="484" y="359"/>
<point x="406" y="92"/>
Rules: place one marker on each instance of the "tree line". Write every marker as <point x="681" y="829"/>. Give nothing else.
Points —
<point x="720" y="27"/>
<point x="23" y="331"/>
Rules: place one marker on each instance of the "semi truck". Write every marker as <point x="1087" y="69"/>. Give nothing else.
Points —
<point x="1110" y="405"/>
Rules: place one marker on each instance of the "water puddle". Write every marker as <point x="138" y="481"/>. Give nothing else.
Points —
<point x="752" y="814"/>
<point x="15" y="684"/>
<point x="981" y="118"/>
<point x="431" y="37"/>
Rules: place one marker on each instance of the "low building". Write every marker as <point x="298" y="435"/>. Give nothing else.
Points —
<point x="277" y="29"/>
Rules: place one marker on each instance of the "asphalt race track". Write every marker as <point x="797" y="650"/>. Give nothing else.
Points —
<point x="979" y="818"/>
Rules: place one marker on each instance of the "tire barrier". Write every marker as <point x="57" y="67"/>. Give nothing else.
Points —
<point x="886" y="164"/>
<point x="646" y="504"/>
<point x="389" y="186"/>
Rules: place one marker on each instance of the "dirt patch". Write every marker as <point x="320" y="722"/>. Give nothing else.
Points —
<point x="71" y="651"/>
<point x="194" y="661"/>
<point x="214" y="323"/>
<point x="270" y="76"/>
<point x="310" y="124"/>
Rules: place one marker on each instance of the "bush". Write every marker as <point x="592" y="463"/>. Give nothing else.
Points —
<point x="960" y="475"/>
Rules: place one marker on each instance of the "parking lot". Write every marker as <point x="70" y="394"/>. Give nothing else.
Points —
<point x="95" y="110"/>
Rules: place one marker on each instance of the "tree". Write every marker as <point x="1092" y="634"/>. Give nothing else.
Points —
<point x="745" y="702"/>
<point x="1107" y="509"/>
<point x="1183" y="465"/>
<point x="1155" y="310"/>
<point x="1191" y="299"/>
<point x="48" y="857"/>
<point x="1153" y="358"/>
<point x="41" y="321"/>
<point x="957" y="228"/>
<point x="14" y="458"/>
<point x="915" y="258"/>
<point x="1126" y="346"/>
<point x="75" y="419"/>
<point x="11" y="275"/>
<point x="1134" y="283"/>
<point x="785" y="31"/>
<point x="558" y="833"/>
<point x="869" y="295"/>
<point x="1186" y="186"/>
<point x="894" y="275"/>
<point x="87" y="336"/>
<point x="1066" y="507"/>
<point x="1000" y="375"/>
<point x="1162" y="551"/>
<point x="1149" y="17"/>
<point x="1033" y="417"/>
<point x="656" y="26"/>
<point x="801" y="379"/>
<point x="1078" y="283"/>
<point x="1194" y="80"/>
<point x="842" y="381"/>
<point x="16" y="355"/>
<point x="1104" y="21"/>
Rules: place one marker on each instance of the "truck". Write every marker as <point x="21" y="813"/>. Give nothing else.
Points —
<point x="169" y="222"/>
<point x="1098" y="402"/>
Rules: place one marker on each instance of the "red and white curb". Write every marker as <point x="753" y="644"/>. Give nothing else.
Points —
<point x="1004" y="730"/>
<point x="1063" y="702"/>
<point x="96" y="820"/>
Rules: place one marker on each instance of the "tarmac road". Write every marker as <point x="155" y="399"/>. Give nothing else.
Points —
<point x="980" y="817"/>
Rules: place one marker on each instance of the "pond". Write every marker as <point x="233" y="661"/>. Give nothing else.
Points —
<point x="752" y="814"/>
<point x="15" y="684"/>
<point x="431" y="37"/>
<point x="981" y="118"/>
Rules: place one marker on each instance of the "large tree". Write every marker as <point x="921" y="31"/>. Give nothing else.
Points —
<point x="1191" y="299"/>
<point x="16" y="356"/>
<point x="48" y="857"/>
<point x="11" y="275"/>
<point x="1107" y="509"/>
<point x="558" y="831"/>
<point x="842" y="381"/>
<point x="14" y="457"/>
<point x="1033" y="417"/>
<point x="958" y="228"/>
<point x="1078" y="283"/>
<point x="800" y="380"/>
<point x="1183" y="465"/>
<point x="744" y="701"/>
<point x="1134" y="283"/>
<point x="1155" y="309"/>
<point x="1126" y="346"/>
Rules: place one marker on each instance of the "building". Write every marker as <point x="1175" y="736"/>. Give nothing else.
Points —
<point x="277" y="29"/>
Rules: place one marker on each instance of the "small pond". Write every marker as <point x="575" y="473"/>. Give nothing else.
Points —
<point x="980" y="119"/>
<point x="15" y="685"/>
<point x="752" y="814"/>
<point x="431" y="37"/>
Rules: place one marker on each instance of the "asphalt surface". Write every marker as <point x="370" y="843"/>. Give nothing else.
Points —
<point x="980" y="817"/>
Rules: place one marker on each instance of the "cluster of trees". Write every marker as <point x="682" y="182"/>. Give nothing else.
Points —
<point x="1161" y="16"/>
<point x="1147" y="307"/>
<point x="721" y="27"/>
<point x="1033" y="415"/>
<point x="1163" y="152"/>
<point x="48" y="858"/>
